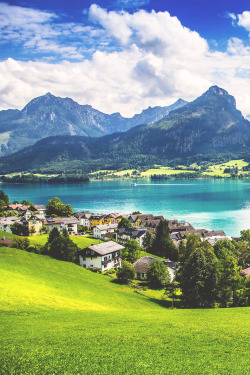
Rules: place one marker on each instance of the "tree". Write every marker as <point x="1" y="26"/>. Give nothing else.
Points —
<point x="126" y="273"/>
<point x="4" y="197"/>
<point x="162" y="245"/>
<point x="228" y="277"/>
<point x="22" y="243"/>
<point x="157" y="274"/>
<point x="63" y="248"/>
<point x="20" y="229"/>
<point x="245" y="235"/>
<point x="136" y="213"/>
<point x="53" y="234"/>
<point x="227" y="246"/>
<point x="171" y="289"/>
<point x="124" y="223"/>
<point x="25" y="202"/>
<point x="56" y="207"/>
<point x="198" y="276"/>
<point x="131" y="252"/>
<point x="148" y="240"/>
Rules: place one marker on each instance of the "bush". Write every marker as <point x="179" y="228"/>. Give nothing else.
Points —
<point x="157" y="274"/>
<point x="126" y="273"/>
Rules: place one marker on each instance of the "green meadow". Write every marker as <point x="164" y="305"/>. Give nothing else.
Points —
<point x="80" y="241"/>
<point x="58" y="318"/>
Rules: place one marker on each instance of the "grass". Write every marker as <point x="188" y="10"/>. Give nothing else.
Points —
<point x="80" y="241"/>
<point x="58" y="318"/>
<point x="213" y="171"/>
<point x="218" y="169"/>
<point x="165" y="171"/>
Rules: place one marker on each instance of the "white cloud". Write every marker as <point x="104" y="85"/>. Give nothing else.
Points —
<point x="156" y="61"/>
<point x="244" y="20"/>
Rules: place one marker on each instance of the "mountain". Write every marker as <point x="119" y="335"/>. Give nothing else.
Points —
<point x="49" y="115"/>
<point x="209" y="124"/>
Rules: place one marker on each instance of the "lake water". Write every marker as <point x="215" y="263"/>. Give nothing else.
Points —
<point x="209" y="204"/>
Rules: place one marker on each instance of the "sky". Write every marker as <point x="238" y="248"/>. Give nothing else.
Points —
<point x="123" y="55"/>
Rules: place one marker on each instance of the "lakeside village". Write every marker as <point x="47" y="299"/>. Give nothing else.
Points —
<point x="141" y="247"/>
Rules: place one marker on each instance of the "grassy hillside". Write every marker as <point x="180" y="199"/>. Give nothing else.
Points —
<point x="59" y="318"/>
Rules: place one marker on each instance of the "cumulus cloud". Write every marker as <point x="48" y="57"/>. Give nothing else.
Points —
<point x="43" y="33"/>
<point x="140" y="59"/>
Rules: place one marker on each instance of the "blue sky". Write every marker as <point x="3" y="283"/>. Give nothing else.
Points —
<point x="123" y="55"/>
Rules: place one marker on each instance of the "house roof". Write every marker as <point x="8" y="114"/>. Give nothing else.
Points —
<point x="246" y="272"/>
<point x="107" y="226"/>
<point x="17" y="207"/>
<point x="84" y="214"/>
<point x="39" y="207"/>
<point x="132" y="231"/>
<point x="214" y="233"/>
<point x="52" y="221"/>
<point x="9" y="220"/>
<point x="70" y="220"/>
<point x="142" y="264"/>
<point x="105" y="248"/>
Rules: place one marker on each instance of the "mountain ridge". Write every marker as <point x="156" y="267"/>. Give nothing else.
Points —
<point x="48" y="115"/>
<point x="210" y="124"/>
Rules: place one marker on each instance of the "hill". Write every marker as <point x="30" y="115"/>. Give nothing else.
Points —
<point x="49" y="115"/>
<point x="211" y="124"/>
<point x="57" y="317"/>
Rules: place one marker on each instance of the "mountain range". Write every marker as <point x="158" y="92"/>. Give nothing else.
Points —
<point x="49" y="115"/>
<point x="209" y="124"/>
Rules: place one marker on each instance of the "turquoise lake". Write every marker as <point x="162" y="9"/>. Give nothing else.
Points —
<point x="209" y="204"/>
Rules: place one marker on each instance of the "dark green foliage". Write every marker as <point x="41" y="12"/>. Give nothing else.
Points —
<point x="4" y="200"/>
<point x="229" y="279"/>
<point x="198" y="278"/>
<point x="124" y="223"/>
<point x="22" y="243"/>
<point x="20" y="229"/>
<point x="171" y="290"/>
<point x="54" y="233"/>
<point x="148" y="240"/>
<point x="56" y="207"/>
<point x="162" y="244"/>
<point x="157" y="274"/>
<point x="63" y="248"/>
<point x="225" y="245"/>
<point x="25" y="202"/>
<point x="245" y="235"/>
<point x="131" y="252"/>
<point x="126" y="273"/>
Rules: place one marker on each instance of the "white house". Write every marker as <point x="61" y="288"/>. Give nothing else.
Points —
<point x="103" y="256"/>
<point x="6" y="222"/>
<point x="127" y="234"/>
<point x="70" y="223"/>
<point x="84" y="217"/>
<point x="100" y="230"/>
<point x="53" y="222"/>
<point x="142" y="264"/>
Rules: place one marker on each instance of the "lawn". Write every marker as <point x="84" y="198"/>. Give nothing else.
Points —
<point x="80" y="241"/>
<point x="58" y="318"/>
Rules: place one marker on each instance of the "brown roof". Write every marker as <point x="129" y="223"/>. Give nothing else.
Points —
<point x="215" y="233"/>
<point x="105" y="248"/>
<point x="142" y="264"/>
<point x="52" y="221"/>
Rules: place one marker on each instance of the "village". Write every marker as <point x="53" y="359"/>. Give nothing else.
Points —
<point x="113" y="230"/>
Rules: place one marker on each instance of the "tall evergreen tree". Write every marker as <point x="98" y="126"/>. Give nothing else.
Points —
<point x="198" y="278"/>
<point x="162" y="245"/>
